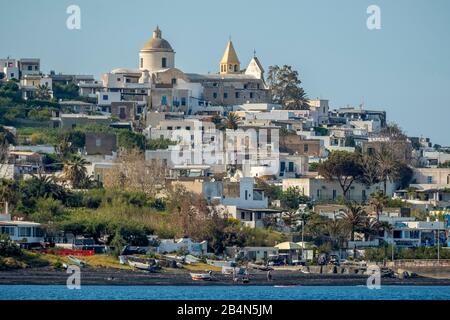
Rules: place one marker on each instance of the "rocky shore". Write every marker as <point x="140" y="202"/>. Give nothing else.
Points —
<point x="106" y="276"/>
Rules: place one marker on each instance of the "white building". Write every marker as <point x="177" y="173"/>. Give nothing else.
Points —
<point x="171" y="245"/>
<point x="23" y="231"/>
<point x="319" y="189"/>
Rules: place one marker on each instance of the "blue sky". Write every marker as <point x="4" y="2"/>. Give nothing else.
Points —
<point x="404" y="68"/>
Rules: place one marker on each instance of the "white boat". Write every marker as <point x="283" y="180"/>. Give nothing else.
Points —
<point x="201" y="276"/>
<point x="123" y="260"/>
<point x="77" y="261"/>
<point x="142" y="264"/>
<point x="189" y="259"/>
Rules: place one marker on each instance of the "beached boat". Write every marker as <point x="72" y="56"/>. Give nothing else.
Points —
<point x="123" y="260"/>
<point x="201" y="276"/>
<point x="190" y="259"/>
<point x="143" y="264"/>
<point x="77" y="261"/>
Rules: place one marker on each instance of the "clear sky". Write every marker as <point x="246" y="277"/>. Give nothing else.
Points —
<point x="404" y="68"/>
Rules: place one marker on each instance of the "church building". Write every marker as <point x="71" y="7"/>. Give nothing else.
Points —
<point x="171" y="89"/>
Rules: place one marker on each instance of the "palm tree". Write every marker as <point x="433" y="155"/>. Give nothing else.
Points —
<point x="75" y="171"/>
<point x="45" y="186"/>
<point x="387" y="166"/>
<point x="335" y="229"/>
<point x="43" y="92"/>
<point x="378" y="201"/>
<point x="354" y="217"/>
<point x="231" y="121"/>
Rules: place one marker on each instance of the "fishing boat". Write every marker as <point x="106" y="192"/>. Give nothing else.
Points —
<point x="77" y="261"/>
<point x="143" y="264"/>
<point x="201" y="276"/>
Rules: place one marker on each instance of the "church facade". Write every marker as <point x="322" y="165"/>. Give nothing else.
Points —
<point x="162" y="87"/>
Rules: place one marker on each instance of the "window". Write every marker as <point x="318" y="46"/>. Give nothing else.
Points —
<point x="105" y="97"/>
<point x="98" y="142"/>
<point x="430" y="179"/>
<point x="183" y="101"/>
<point x="259" y="215"/>
<point x="7" y="230"/>
<point x="235" y="68"/>
<point x="334" y="194"/>
<point x="246" y="194"/>
<point x="364" y="196"/>
<point x="118" y="79"/>
<point x="318" y="193"/>
<point x="174" y="81"/>
<point x="142" y="63"/>
<point x="122" y="113"/>
<point x="306" y="147"/>
<point x="169" y="128"/>
<point x="215" y="95"/>
<point x="282" y="166"/>
<point x="24" y="232"/>
<point x="243" y="215"/>
<point x="236" y="95"/>
<point x="291" y="167"/>
<point x="164" y="62"/>
<point x="188" y="128"/>
<point x="251" y="95"/>
<point x="30" y="68"/>
<point x="164" y="100"/>
<point x="225" y="95"/>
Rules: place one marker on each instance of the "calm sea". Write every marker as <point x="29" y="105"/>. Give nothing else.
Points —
<point x="32" y="292"/>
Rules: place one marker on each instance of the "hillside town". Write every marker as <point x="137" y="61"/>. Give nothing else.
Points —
<point x="156" y="167"/>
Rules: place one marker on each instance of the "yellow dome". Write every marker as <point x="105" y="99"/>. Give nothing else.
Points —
<point x="157" y="43"/>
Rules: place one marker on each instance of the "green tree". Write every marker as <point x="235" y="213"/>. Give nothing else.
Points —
<point x="354" y="218"/>
<point x="345" y="167"/>
<point x="378" y="200"/>
<point x="65" y="91"/>
<point x="43" y="92"/>
<point x="231" y="121"/>
<point x="284" y="84"/>
<point x="75" y="172"/>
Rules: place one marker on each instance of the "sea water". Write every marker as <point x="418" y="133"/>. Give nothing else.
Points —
<point x="56" y="292"/>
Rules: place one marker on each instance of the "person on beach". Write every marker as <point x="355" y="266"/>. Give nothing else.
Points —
<point x="269" y="276"/>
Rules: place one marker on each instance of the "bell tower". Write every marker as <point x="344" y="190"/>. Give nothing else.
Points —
<point x="230" y="63"/>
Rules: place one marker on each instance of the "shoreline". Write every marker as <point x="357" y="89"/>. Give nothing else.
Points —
<point x="109" y="277"/>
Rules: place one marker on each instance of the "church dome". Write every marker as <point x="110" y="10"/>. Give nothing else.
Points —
<point x="157" y="43"/>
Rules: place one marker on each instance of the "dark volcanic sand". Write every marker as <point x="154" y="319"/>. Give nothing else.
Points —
<point x="89" y="276"/>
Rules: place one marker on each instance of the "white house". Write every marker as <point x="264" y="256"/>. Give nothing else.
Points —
<point x="23" y="231"/>
<point x="194" y="248"/>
